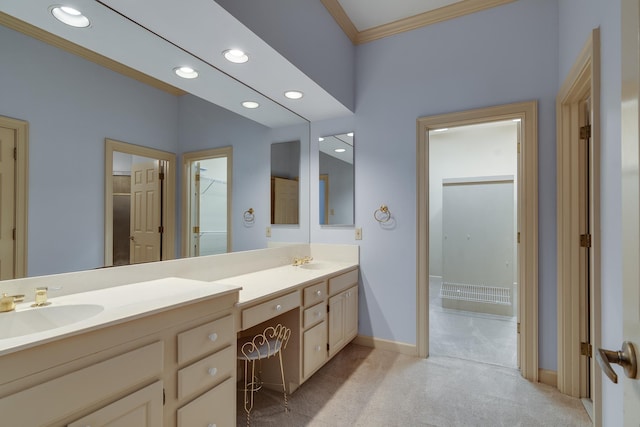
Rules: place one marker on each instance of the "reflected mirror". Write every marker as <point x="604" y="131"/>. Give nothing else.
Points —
<point x="337" y="190"/>
<point x="73" y="96"/>
<point x="285" y="182"/>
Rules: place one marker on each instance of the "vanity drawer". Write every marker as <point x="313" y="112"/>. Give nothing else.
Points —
<point x="314" y="294"/>
<point x="205" y="339"/>
<point x="270" y="309"/>
<point x="340" y="283"/>
<point x="206" y="373"/>
<point x="315" y="348"/>
<point x="214" y="408"/>
<point x="314" y="314"/>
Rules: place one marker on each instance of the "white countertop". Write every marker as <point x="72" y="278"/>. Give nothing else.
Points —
<point x="262" y="285"/>
<point x="119" y="304"/>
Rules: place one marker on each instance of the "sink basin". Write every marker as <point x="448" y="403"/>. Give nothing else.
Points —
<point x="316" y="266"/>
<point x="39" y="319"/>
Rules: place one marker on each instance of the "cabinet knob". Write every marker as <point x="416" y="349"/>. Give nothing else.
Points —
<point x="319" y="293"/>
<point x="318" y="348"/>
<point x="213" y="337"/>
<point x="318" y="313"/>
<point x="213" y="371"/>
<point x="278" y="307"/>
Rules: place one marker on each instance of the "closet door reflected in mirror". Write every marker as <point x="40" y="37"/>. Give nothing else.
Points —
<point x="337" y="190"/>
<point x="207" y="202"/>
<point x="285" y="177"/>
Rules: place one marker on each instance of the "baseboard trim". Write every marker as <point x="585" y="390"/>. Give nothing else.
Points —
<point x="548" y="377"/>
<point x="381" y="344"/>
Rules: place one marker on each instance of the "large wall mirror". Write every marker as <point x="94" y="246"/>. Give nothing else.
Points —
<point x="336" y="185"/>
<point x="72" y="104"/>
<point x="285" y="182"/>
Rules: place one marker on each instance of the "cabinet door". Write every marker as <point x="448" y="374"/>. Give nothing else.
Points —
<point x="336" y="323"/>
<point x="351" y="314"/>
<point x="140" y="409"/>
<point x="315" y="348"/>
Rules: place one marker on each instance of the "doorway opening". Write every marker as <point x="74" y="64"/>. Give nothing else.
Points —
<point x="139" y="191"/>
<point x="578" y="188"/>
<point x="206" y="215"/>
<point x="473" y="256"/>
<point x="525" y="228"/>
<point x="14" y="139"/>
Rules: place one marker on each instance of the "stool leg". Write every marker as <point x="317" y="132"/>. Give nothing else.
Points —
<point x="248" y="401"/>
<point x="284" y="387"/>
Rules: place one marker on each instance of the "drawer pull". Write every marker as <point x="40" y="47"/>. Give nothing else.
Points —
<point x="213" y="371"/>
<point x="319" y="293"/>
<point x="318" y="348"/>
<point x="213" y="337"/>
<point x="278" y="307"/>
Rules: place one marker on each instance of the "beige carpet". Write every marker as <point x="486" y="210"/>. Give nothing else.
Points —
<point x="366" y="387"/>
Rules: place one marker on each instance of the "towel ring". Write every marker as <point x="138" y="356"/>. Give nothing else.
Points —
<point x="248" y="216"/>
<point x="382" y="214"/>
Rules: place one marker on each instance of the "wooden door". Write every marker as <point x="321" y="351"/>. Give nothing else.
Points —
<point x="630" y="201"/>
<point x="7" y="203"/>
<point x="145" y="211"/>
<point x="284" y="201"/>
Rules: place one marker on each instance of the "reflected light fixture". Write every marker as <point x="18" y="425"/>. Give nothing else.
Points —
<point x="441" y="130"/>
<point x="250" y="104"/>
<point x="320" y="139"/>
<point x="70" y="16"/>
<point x="186" y="72"/>
<point x="340" y="150"/>
<point x="350" y="134"/>
<point x="293" y="94"/>
<point x="236" y="56"/>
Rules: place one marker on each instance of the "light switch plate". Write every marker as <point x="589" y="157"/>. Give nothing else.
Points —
<point x="268" y="232"/>
<point x="358" y="233"/>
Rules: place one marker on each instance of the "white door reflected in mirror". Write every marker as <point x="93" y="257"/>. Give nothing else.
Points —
<point x="337" y="189"/>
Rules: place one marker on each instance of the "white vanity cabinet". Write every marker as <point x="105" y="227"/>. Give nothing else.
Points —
<point x="314" y="327"/>
<point x="167" y="368"/>
<point x="343" y="310"/>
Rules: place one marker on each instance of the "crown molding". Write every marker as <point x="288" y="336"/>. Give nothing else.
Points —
<point x="53" y="40"/>
<point x="464" y="7"/>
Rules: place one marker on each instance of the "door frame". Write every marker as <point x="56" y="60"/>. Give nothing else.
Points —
<point x="21" y="129"/>
<point x="527" y="223"/>
<point x="168" y="196"/>
<point x="187" y="158"/>
<point x="582" y="82"/>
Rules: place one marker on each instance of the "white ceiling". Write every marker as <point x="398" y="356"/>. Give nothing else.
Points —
<point x="366" y="14"/>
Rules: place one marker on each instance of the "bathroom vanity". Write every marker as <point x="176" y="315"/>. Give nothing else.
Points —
<point x="163" y="351"/>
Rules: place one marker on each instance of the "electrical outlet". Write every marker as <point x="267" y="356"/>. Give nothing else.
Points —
<point x="268" y="231"/>
<point x="358" y="233"/>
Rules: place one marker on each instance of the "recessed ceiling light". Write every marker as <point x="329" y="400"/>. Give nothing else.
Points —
<point x="441" y="130"/>
<point x="250" y="104"/>
<point x="70" y="16"/>
<point x="236" y="56"/>
<point x="340" y="150"/>
<point x="293" y="94"/>
<point x="186" y="72"/>
<point x="350" y="134"/>
<point x="320" y="139"/>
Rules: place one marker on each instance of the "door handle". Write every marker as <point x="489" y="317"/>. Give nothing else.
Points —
<point x="625" y="358"/>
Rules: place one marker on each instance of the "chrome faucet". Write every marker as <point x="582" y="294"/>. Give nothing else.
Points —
<point x="8" y="302"/>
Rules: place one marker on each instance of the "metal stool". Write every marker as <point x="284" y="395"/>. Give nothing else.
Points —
<point x="269" y="343"/>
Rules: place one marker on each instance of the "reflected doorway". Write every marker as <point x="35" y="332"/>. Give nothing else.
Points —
<point x="473" y="286"/>
<point x="207" y="202"/>
<point x="139" y="189"/>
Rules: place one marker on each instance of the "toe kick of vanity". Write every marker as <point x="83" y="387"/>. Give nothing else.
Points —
<point x="321" y="308"/>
